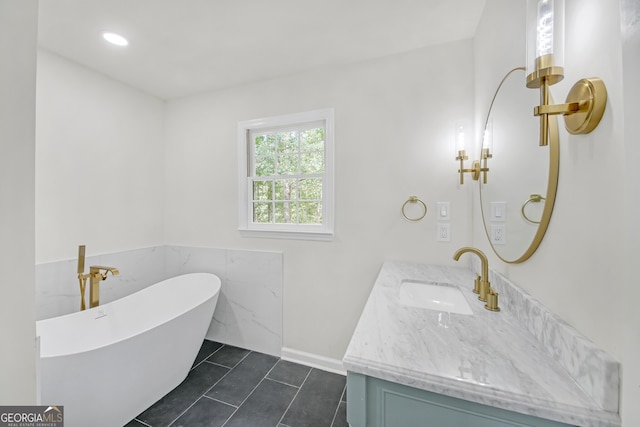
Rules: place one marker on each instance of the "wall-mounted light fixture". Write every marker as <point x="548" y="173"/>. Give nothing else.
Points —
<point x="461" y="156"/>
<point x="487" y="149"/>
<point x="586" y="100"/>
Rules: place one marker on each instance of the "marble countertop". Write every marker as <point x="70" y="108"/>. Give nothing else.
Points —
<point x="487" y="357"/>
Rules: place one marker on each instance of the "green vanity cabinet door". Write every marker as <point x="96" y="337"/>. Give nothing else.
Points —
<point x="372" y="402"/>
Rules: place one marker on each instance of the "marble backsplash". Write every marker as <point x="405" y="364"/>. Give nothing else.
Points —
<point x="249" y="309"/>
<point x="592" y="368"/>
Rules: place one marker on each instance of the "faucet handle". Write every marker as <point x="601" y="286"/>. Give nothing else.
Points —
<point x="476" y="284"/>
<point x="492" y="301"/>
<point x="113" y="270"/>
<point x="485" y="290"/>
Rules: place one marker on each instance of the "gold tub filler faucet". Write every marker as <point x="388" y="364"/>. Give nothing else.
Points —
<point x="96" y="274"/>
<point x="482" y="285"/>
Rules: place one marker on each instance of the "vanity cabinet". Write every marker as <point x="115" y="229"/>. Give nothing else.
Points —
<point x="372" y="402"/>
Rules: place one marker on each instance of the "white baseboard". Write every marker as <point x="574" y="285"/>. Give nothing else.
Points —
<point x="313" y="360"/>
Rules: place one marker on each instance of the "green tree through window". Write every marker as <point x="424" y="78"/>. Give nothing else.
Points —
<point x="287" y="176"/>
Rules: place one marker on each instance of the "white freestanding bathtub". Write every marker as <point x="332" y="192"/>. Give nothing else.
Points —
<point x="107" y="364"/>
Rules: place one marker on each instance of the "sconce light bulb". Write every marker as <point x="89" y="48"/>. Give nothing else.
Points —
<point x="544" y="39"/>
<point x="487" y="140"/>
<point x="459" y="137"/>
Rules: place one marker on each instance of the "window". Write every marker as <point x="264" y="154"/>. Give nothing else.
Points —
<point x="286" y="176"/>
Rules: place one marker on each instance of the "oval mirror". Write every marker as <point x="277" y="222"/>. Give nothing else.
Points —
<point x="520" y="189"/>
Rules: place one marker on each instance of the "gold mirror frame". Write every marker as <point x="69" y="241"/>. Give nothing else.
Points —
<point x="552" y="185"/>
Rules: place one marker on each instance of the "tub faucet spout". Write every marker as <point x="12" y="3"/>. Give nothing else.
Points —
<point x="98" y="273"/>
<point x="482" y="284"/>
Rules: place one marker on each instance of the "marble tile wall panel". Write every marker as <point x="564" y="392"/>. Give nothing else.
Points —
<point x="58" y="290"/>
<point x="249" y="309"/>
<point x="253" y="291"/>
<point x="186" y="259"/>
<point x="138" y="268"/>
<point x="592" y="368"/>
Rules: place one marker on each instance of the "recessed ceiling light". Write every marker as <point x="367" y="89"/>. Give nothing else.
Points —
<point x="116" y="39"/>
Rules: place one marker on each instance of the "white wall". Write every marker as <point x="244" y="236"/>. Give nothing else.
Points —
<point x="18" y="41"/>
<point x="579" y="269"/>
<point x="99" y="163"/>
<point x="394" y="122"/>
<point x="630" y="24"/>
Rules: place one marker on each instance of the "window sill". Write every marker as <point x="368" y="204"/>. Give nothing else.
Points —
<point x="291" y="235"/>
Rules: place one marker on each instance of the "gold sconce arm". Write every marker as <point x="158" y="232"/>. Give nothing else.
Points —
<point x="558" y="108"/>
<point x="484" y="169"/>
<point x="475" y="169"/>
<point x="584" y="107"/>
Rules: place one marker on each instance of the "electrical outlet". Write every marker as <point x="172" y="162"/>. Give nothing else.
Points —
<point x="444" y="232"/>
<point x="498" y="234"/>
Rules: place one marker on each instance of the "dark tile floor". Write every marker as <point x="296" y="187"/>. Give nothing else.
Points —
<point x="233" y="387"/>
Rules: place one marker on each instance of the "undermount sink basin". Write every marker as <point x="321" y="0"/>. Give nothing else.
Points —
<point x="433" y="296"/>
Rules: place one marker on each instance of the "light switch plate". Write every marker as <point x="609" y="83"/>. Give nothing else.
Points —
<point x="498" y="211"/>
<point x="444" y="211"/>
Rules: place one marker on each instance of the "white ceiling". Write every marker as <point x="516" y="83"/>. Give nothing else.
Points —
<point x="182" y="47"/>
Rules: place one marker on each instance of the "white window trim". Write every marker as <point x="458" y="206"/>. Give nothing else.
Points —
<point x="287" y="231"/>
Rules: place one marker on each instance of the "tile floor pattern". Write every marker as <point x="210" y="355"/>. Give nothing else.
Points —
<point x="233" y="387"/>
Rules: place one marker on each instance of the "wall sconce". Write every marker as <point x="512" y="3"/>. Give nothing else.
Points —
<point x="586" y="100"/>
<point x="461" y="156"/>
<point x="487" y="149"/>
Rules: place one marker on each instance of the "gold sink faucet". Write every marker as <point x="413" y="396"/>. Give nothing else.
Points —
<point x="482" y="285"/>
<point x="96" y="274"/>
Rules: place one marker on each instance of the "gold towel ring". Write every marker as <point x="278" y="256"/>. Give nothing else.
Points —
<point x="535" y="198"/>
<point x="414" y="199"/>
